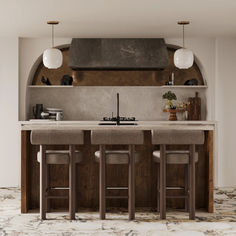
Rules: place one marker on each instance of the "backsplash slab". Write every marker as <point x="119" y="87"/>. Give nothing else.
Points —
<point x="95" y="102"/>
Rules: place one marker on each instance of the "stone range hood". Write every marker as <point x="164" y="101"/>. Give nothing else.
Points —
<point x="118" y="54"/>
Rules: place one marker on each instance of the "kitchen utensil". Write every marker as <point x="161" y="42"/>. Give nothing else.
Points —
<point x="194" y="107"/>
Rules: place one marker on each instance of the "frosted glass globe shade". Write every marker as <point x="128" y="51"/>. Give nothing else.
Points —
<point x="52" y="58"/>
<point x="183" y="58"/>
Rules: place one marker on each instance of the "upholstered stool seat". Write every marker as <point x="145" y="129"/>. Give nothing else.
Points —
<point x="60" y="157"/>
<point x="57" y="137"/>
<point x="117" y="156"/>
<point x="174" y="157"/>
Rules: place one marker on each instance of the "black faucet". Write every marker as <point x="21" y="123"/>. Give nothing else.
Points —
<point x="117" y="118"/>
<point x="117" y="109"/>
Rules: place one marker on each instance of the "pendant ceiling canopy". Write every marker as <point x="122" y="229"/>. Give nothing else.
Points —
<point x="52" y="57"/>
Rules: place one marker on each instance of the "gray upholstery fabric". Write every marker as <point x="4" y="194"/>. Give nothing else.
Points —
<point x="177" y="137"/>
<point x="117" y="156"/>
<point x="174" y="157"/>
<point x="117" y="137"/>
<point x="56" y="136"/>
<point x="59" y="157"/>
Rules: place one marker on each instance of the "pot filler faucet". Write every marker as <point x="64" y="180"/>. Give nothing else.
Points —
<point x="118" y="109"/>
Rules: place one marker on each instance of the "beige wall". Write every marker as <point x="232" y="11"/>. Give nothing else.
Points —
<point x="10" y="135"/>
<point x="225" y="111"/>
<point x="216" y="58"/>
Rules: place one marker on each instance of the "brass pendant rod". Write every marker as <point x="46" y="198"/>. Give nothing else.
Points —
<point x="52" y="23"/>
<point x="183" y="23"/>
<point x="52" y="36"/>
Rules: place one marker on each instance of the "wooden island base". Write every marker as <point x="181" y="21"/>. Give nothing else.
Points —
<point x="87" y="177"/>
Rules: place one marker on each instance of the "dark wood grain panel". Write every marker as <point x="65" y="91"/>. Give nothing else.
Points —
<point x="117" y="175"/>
<point x="25" y="165"/>
<point x="210" y="170"/>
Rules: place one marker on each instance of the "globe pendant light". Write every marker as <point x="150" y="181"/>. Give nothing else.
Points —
<point x="52" y="57"/>
<point x="183" y="57"/>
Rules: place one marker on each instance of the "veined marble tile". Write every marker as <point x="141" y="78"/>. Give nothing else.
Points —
<point x="222" y="222"/>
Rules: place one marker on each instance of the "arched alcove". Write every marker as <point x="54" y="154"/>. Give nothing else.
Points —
<point x="115" y="77"/>
<point x="82" y="102"/>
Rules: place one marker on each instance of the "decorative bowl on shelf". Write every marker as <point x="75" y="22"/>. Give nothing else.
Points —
<point x="173" y="112"/>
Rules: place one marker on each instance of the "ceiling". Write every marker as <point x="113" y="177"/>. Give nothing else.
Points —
<point x="117" y="18"/>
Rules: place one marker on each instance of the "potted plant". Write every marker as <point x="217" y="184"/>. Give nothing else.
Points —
<point x="169" y="96"/>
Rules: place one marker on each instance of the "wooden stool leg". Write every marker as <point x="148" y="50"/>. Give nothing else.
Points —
<point x="102" y="183"/>
<point x="162" y="181"/>
<point x="186" y="187"/>
<point x="72" y="183"/>
<point x="131" y="185"/>
<point x="192" y="183"/>
<point x="43" y="175"/>
<point x="158" y="187"/>
<point x="48" y="186"/>
<point x="76" y="190"/>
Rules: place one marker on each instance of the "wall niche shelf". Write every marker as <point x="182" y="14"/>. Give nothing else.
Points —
<point x="184" y="86"/>
<point x="163" y="86"/>
<point x="50" y="86"/>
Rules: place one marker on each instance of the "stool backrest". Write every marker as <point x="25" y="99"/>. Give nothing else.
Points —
<point x="117" y="137"/>
<point x="177" y="137"/>
<point x="57" y="137"/>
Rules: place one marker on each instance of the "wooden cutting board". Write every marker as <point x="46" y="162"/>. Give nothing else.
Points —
<point x="194" y="107"/>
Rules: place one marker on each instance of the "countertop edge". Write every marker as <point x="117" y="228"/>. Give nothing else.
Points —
<point x="142" y="125"/>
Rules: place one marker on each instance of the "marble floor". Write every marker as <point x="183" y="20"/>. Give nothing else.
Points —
<point x="222" y="222"/>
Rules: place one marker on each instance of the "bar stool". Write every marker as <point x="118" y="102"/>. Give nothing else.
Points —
<point x="130" y="157"/>
<point x="185" y="157"/>
<point x="48" y="157"/>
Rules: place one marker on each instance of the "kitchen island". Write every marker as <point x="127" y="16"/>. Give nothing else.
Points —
<point x="87" y="171"/>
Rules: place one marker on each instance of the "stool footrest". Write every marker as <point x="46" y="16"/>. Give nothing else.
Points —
<point x="116" y="188"/>
<point x="179" y="196"/>
<point x="174" y="188"/>
<point x="58" y="197"/>
<point x="59" y="188"/>
<point x="116" y="197"/>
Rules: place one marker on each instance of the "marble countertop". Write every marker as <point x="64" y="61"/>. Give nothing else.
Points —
<point x="141" y="125"/>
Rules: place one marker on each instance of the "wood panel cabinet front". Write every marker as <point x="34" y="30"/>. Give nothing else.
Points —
<point x="87" y="175"/>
